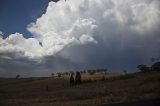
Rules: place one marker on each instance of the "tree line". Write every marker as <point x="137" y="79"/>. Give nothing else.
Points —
<point x="154" y="67"/>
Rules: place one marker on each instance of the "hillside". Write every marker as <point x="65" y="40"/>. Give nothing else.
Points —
<point x="57" y="92"/>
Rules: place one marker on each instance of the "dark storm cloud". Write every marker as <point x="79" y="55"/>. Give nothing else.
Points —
<point x="116" y="54"/>
<point x="10" y="67"/>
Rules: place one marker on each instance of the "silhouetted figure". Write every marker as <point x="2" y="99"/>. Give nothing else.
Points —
<point x="78" y="78"/>
<point x="71" y="80"/>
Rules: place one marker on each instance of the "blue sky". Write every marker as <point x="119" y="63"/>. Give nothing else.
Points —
<point x="15" y="15"/>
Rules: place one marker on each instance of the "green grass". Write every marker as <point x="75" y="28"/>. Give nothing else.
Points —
<point x="118" y="88"/>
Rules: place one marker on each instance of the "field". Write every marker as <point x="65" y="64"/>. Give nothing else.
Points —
<point x="96" y="89"/>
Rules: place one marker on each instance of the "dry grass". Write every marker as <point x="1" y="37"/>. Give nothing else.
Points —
<point x="96" y="76"/>
<point x="34" y="91"/>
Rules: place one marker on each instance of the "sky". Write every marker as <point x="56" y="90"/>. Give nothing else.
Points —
<point x="20" y="13"/>
<point x="40" y="37"/>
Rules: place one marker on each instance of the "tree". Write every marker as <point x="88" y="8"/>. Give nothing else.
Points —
<point x="78" y="78"/>
<point x="105" y="71"/>
<point x="155" y="66"/>
<point x="52" y="75"/>
<point x="125" y="72"/>
<point x="143" y="68"/>
<point x="18" y="76"/>
<point x="72" y="80"/>
<point x="91" y="72"/>
<point x="59" y="75"/>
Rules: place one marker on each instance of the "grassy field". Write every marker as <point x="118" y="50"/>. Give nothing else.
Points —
<point x="114" y="88"/>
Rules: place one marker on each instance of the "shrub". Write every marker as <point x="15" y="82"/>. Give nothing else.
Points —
<point x="59" y="75"/>
<point x="71" y="80"/>
<point x="17" y="76"/>
<point x="52" y="75"/>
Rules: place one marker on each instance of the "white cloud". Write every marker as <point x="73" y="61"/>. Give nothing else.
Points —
<point x="1" y="35"/>
<point x="80" y="22"/>
<point x="17" y="44"/>
<point x="86" y="38"/>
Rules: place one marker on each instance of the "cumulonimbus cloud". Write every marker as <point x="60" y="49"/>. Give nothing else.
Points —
<point x="84" y="34"/>
<point x="70" y="22"/>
